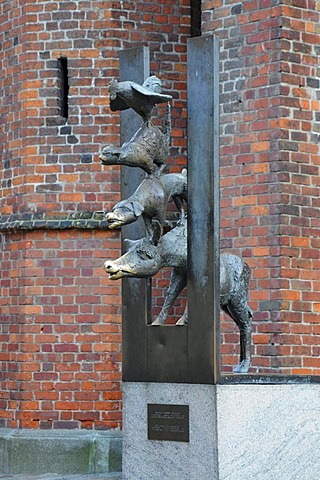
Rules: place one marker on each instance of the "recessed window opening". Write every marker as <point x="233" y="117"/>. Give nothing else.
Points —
<point x="195" y="20"/>
<point x="64" y="86"/>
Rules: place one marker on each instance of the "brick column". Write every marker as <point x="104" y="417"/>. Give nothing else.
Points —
<point x="270" y="172"/>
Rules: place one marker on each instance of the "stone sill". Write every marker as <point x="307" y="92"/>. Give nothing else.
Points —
<point x="85" y="220"/>
<point x="35" y="452"/>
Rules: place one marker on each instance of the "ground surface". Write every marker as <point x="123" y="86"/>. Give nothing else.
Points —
<point x="56" y="476"/>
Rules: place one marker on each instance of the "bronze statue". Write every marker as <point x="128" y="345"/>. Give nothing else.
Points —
<point x="176" y="188"/>
<point x="141" y="98"/>
<point x="150" y="200"/>
<point x="145" y="257"/>
<point x="149" y="149"/>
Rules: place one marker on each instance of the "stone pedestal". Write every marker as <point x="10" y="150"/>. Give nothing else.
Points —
<point x="268" y="432"/>
<point x="145" y="459"/>
<point x="237" y="432"/>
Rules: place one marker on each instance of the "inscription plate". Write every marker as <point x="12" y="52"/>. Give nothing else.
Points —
<point x="168" y="422"/>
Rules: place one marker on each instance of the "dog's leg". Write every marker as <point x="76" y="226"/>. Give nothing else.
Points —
<point x="179" y="204"/>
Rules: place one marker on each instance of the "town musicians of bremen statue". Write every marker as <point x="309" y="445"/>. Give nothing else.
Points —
<point x="148" y="149"/>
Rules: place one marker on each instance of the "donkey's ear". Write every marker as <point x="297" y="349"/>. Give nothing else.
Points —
<point x="157" y="232"/>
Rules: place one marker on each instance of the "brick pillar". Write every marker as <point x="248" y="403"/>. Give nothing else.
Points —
<point x="270" y="172"/>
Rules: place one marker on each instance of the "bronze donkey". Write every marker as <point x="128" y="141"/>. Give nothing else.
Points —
<point x="145" y="257"/>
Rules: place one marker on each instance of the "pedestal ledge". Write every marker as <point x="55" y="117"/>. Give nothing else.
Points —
<point x="33" y="452"/>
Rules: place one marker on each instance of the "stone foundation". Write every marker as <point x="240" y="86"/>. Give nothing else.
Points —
<point x="265" y="432"/>
<point x="33" y="452"/>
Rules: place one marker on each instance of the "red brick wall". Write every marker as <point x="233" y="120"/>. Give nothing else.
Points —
<point x="60" y="315"/>
<point x="300" y="220"/>
<point x="270" y="171"/>
<point x="60" y="332"/>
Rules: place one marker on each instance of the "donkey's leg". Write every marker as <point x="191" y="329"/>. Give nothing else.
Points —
<point x="245" y="348"/>
<point x="184" y="319"/>
<point x="178" y="281"/>
<point x="241" y="314"/>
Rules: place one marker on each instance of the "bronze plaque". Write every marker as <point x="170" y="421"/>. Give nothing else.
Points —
<point x="168" y="422"/>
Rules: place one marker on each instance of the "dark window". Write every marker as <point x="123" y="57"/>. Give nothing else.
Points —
<point x="195" y="20"/>
<point x="64" y="86"/>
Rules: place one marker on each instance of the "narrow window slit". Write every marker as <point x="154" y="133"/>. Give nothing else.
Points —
<point x="64" y="86"/>
<point x="195" y="20"/>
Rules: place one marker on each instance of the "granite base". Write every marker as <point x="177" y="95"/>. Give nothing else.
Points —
<point x="145" y="459"/>
<point x="237" y="432"/>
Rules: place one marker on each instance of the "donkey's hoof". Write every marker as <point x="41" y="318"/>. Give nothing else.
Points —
<point x="157" y="321"/>
<point x="182" y="321"/>
<point x="242" y="367"/>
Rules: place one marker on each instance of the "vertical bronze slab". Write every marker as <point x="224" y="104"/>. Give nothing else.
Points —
<point x="167" y="354"/>
<point x="203" y="209"/>
<point x="134" y="66"/>
<point x="174" y="353"/>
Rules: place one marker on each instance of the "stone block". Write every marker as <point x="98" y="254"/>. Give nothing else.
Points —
<point x="59" y="451"/>
<point x="237" y="432"/>
<point x="268" y="432"/>
<point x="145" y="459"/>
